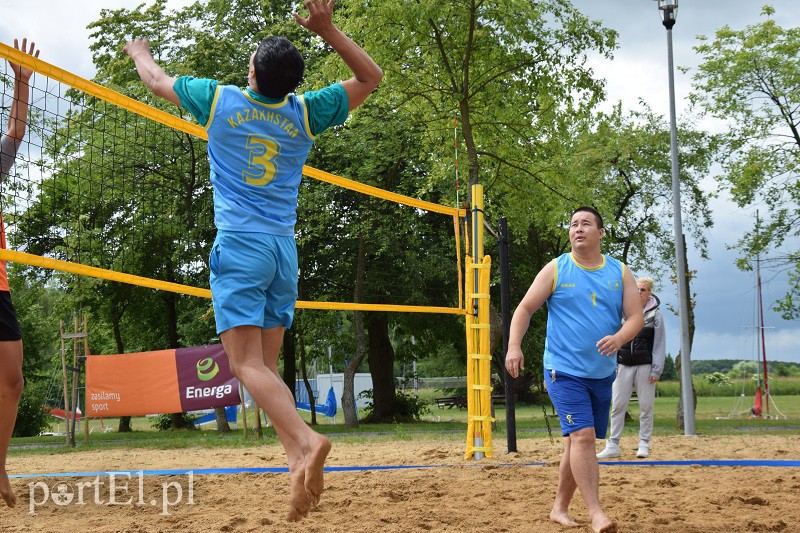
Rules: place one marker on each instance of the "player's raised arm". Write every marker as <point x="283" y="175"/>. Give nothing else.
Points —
<point x="366" y="73"/>
<point x="151" y="74"/>
<point x="18" y="115"/>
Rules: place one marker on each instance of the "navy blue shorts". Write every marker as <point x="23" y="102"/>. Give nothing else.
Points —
<point x="580" y="402"/>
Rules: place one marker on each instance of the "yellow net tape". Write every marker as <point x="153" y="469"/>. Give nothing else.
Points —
<point x="93" y="89"/>
<point x="111" y="275"/>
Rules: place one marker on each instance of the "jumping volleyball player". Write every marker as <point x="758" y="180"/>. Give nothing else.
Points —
<point x="10" y="335"/>
<point x="258" y="141"/>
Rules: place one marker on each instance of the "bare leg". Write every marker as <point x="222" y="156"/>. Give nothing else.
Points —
<point x="244" y="346"/>
<point x="586" y="476"/>
<point x="300" y="500"/>
<point x="11" y="383"/>
<point x="566" y="489"/>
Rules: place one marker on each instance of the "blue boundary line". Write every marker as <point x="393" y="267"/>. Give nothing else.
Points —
<point x="253" y="470"/>
<point x="715" y="462"/>
<point x="284" y="470"/>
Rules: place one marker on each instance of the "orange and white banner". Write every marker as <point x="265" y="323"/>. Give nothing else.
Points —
<point x="165" y="381"/>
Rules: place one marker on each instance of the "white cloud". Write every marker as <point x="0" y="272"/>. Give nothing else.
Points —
<point x="59" y="28"/>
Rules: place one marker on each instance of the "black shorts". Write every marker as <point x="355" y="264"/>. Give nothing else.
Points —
<point x="9" y="326"/>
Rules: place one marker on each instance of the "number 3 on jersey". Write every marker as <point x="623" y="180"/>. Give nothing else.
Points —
<point x="261" y="162"/>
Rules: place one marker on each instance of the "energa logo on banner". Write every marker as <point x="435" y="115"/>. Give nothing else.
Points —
<point x="206" y="369"/>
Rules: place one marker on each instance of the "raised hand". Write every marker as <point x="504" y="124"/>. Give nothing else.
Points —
<point x="320" y="17"/>
<point x="21" y="73"/>
<point x="136" y="46"/>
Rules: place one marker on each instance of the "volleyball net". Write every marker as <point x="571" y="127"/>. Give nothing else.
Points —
<point x="106" y="187"/>
<point x="109" y="187"/>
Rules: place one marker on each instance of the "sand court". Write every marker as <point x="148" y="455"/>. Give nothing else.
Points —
<point x="511" y="492"/>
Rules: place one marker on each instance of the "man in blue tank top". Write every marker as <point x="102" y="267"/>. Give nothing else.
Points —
<point x="587" y="294"/>
<point x="258" y="142"/>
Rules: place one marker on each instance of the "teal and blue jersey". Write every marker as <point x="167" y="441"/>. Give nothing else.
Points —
<point x="257" y="147"/>
<point x="584" y="307"/>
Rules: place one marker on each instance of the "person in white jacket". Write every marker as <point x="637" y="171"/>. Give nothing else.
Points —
<point x="639" y="366"/>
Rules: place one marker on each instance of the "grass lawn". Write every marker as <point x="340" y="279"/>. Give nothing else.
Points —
<point x="711" y="418"/>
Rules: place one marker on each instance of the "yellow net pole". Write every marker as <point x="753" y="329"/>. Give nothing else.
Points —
<point x="484" y="358"/>
<point x="479" y="389"/>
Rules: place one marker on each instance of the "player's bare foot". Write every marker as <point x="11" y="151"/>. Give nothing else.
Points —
<point x="315" y="463"/>
<point x="6" y="492"/>
<point x="563" y="519"/>
<point x="604" y="525"/>
<point x="299" y="503"/>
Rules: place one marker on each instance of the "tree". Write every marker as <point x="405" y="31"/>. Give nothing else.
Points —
<point x="511" y="73"/>
<point x="507" y="70"/>
<point x="750" y="79"/>
<point x="622" y="162"/>
<point x="670" y="373"/>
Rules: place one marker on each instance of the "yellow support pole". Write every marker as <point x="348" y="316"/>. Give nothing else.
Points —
<point x="479" y="389"/>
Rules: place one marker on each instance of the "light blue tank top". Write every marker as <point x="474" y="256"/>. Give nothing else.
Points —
<point x="256" y="153"/>
<point x="585" y="306"/>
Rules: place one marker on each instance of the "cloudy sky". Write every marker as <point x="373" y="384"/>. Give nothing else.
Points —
<point x="725" y="310"/>
<point x="726" y="302"/>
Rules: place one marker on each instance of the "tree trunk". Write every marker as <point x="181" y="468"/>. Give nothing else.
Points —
<point x="690" y="312"/>
<point x="304" y="373"/>
<point x="469" y="137"/>
<point x="222" y="421"/>
<point x="381" y="366"/>
<point x="124" y="421"/>
<point x="348" y="394"/>
<point x="178" y="421"/>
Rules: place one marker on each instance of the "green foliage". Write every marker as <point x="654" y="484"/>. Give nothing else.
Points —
<point x="670" y="372"/>
<point x="750" y="79"/>
<point x="744" y="369"/>
<point x="718" y="378"/>
<point x="36" y="305"/>
<point x="737" y="386"/>
<point x="164" y="422"/>
<point x="782" y="370"/>
<point x="32" y="415"/>
<point x="622" y="163"/>
<point x="516" y="76"/>
<point x="709" y="366"/>
<point x="408" y="407"/>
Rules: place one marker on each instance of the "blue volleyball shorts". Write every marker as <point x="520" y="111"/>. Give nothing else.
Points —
<point x="253" y="280"/>
<point x="580" y="402"/>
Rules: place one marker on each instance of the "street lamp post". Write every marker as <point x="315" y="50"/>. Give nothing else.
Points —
<point x="668" y="10"/>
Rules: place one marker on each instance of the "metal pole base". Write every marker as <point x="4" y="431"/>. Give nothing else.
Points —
<point x="478" y="444"/>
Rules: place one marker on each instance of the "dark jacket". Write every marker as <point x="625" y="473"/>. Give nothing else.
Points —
<point x="639" y="351"/>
